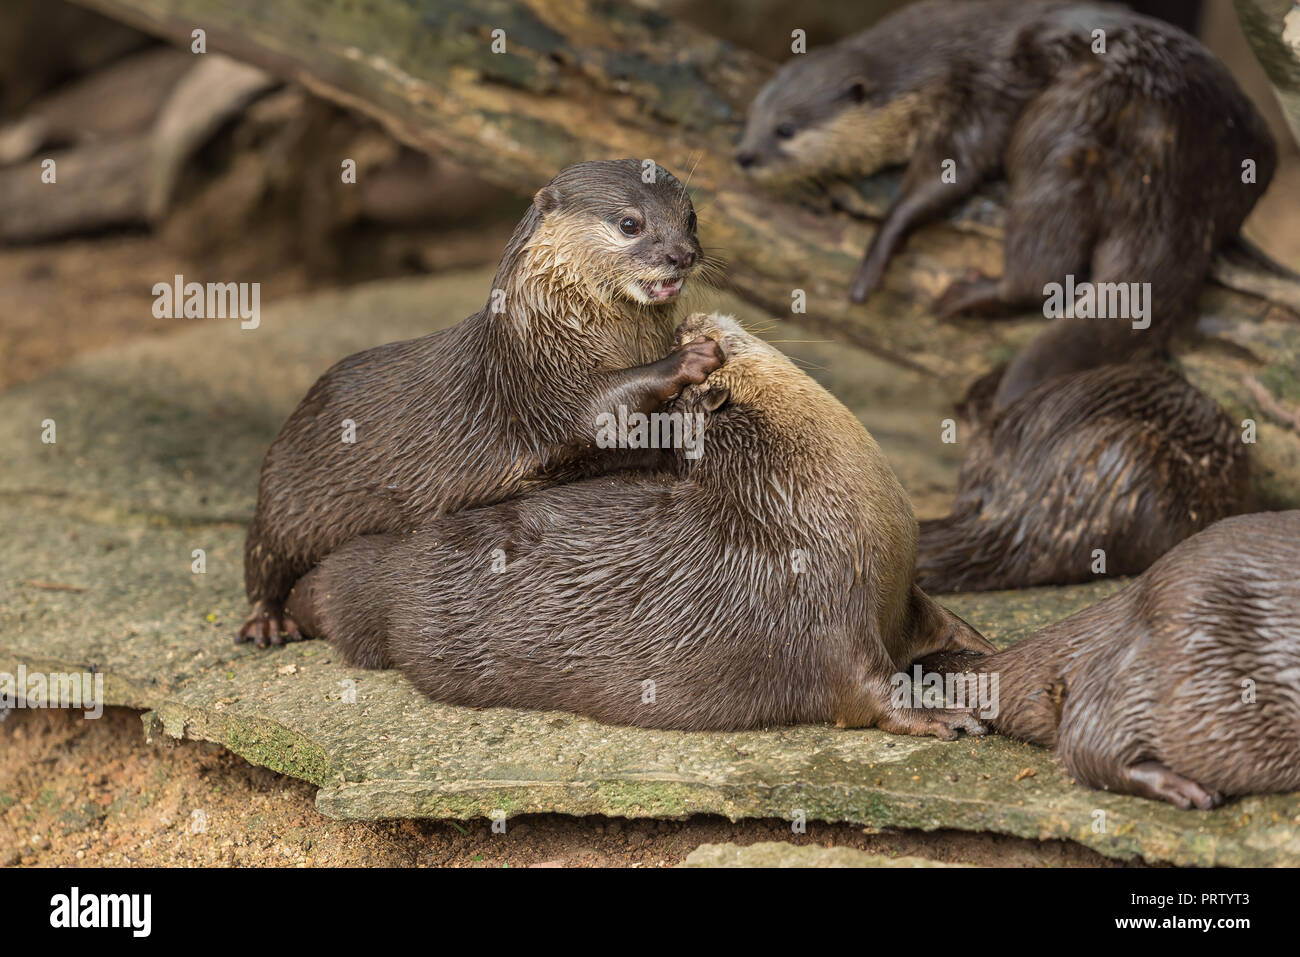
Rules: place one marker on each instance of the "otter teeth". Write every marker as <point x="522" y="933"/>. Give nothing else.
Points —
<point x="663" y="288"/>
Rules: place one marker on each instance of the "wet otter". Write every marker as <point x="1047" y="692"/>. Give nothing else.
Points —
<point x="1184" y="686"/>
<point x="580" y="321"/>
<point x="766" y="581"/>
<point x="1131" y="154"/>
<point x="1130" y="459"/>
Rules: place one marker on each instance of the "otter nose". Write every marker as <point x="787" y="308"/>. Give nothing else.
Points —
<point x="746" y="159"/>
<point x="680" y="257"/>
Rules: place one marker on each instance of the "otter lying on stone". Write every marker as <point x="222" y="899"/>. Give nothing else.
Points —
<point x="1130" y="152"/>
<point x="579" y="322"/>
<point x="1130" y="459"/>
<point x="762" y="579"/>
<point x="1184" y="686"/>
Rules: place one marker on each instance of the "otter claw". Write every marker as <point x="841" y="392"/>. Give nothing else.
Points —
<point x="270" y="626"/>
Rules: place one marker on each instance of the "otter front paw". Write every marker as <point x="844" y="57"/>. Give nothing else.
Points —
<point x="698" y="359"/>
<point x="691" y="364"/>
<point x="269" y="624"/>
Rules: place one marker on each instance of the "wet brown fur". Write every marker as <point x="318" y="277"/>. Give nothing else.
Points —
<point x="688" y="578"/>
<point x="1130" y="459"/>
<point x="1184" y="686"/>
<point x="1124" y="166"/>
<point x="500" y="404"/>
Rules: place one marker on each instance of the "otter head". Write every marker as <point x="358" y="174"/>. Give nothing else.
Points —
<point x="612" y="230"/>
<point x="828" y="113"/>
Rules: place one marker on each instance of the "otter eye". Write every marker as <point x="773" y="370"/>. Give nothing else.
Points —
<point x="629" y="226"/>
<point x="690" y="223"/>
<point x="785" y="131"/>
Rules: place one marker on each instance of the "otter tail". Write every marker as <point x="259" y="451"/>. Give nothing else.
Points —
<point x="1243" y="266"/>
<point x="935" y="628"/>
<point x="339" y="600"/>
<point x="950" y="557"/>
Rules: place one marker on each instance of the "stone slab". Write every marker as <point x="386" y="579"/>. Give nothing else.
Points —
<point x="158" y="449"/>
<point x="782" y="854"/>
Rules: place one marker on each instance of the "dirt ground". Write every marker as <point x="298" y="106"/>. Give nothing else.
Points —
<point x="80" y="792"/>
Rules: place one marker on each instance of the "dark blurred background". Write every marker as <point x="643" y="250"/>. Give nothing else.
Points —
<point x="203" y="166"/>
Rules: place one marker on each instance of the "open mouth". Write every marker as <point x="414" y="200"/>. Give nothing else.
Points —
<point x="661" y="289"/>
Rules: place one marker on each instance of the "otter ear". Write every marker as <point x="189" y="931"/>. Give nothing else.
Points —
<point x="714" y="397"/>
<point x="857" y="90"/>
<point x="546" y="199"/>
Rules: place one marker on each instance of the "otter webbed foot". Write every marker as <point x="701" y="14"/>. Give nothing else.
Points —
<point x="269" y="624"/>
<point x="1151" y="779"/>
<point x="976" y="294"/>
<point x="936" y="722"/>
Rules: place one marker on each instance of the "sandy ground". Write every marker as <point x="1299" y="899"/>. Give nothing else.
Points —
<point x="78" y="792"/>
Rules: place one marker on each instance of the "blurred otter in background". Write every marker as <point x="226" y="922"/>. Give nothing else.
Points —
<point x="1184" y="686"/>
<point x="1130" y="459"/>
<point x="1131" y="154"/>
<point x="579" y="323"/>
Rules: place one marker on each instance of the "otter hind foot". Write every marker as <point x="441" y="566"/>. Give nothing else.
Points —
<point x="1151" y="779"/>
<point x="976" y="294"/>
<point x="937" y="722"/>
<point x="269" y="624"/>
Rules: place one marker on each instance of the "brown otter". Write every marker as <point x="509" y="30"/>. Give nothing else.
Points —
<point x="1130" y="459"/>
<point x="580" y="321"/>
<point x="1130" y="153"/>
<point x="766" y="581"/>
<point x="1184" y="686"/>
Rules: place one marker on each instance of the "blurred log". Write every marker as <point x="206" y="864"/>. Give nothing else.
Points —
<point x="118" y="100"/>
<point x="1273" y="29"/>
<point x="128" y="178"/>
<point x="95" y="187"/>
<point x="587" y="79"/>
<point x="47" y="42"/>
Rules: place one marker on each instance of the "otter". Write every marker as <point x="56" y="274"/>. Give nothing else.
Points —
<point x="1130" y="459"/>
<point x="1130" y="154"/>
<point x="579" y="322"/>
<point x="766" y="581"/>
<point x="1184" y="686"/>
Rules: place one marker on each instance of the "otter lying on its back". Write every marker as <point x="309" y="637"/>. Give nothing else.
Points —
<point x="1184" y="686"/>
<point x="1130" y="459"/>
<point x="1130" y="152"/>
<point x="579" y="321"/>
<point x="767" y="581"/>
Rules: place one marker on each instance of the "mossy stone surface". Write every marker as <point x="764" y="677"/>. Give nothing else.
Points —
<point x="157" y="454"/>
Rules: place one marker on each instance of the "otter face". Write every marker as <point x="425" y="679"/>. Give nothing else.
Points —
<point x="622" y="237"/>
<point x="822" y="116"/>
